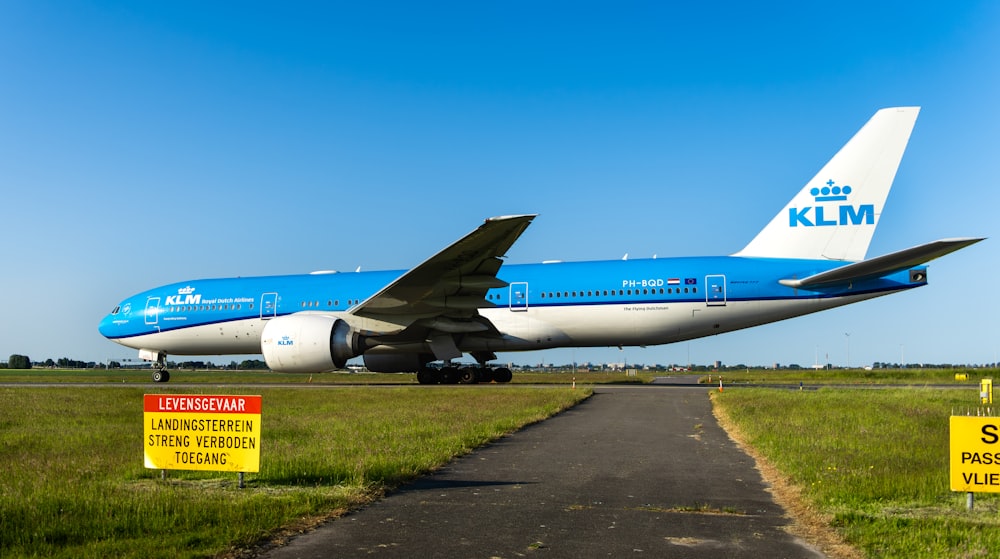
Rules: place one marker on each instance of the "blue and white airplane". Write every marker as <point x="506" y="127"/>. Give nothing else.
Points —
<point x="465" y="300"/>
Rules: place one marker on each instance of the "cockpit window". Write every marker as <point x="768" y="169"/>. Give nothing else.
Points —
<point x="117" y="308"/>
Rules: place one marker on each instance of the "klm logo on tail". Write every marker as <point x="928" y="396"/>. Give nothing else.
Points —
<point x="843" y="214"/>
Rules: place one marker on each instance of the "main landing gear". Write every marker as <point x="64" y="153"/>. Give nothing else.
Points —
<point x="463" y="375"/>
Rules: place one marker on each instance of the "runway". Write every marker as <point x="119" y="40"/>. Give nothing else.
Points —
<point x="632" y="471"/>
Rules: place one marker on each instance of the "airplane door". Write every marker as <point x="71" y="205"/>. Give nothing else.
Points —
<point x="152" y="310"/>
<point x="715" y="290"/>
<point x="519" y="296"/>
<point x="268" y="305"/>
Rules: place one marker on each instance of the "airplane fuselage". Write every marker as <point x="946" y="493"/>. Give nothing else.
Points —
<point x="564" y="304"/>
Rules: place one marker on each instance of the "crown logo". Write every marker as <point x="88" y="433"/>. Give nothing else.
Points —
<point x="831" y="192"/>
<point x="185" y="290"/>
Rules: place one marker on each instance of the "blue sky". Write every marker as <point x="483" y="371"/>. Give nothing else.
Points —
<point x="146" y="143"/>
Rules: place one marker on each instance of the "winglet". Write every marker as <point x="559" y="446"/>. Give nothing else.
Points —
<point x="834" y="216"/>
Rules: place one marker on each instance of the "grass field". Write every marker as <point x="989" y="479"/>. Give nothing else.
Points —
<point x="73" y="482"/>
<point x="874" y="463"/>
<point x="913" y="377"/>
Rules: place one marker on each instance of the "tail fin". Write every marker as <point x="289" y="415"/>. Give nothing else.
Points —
<point x="834" y="216"/>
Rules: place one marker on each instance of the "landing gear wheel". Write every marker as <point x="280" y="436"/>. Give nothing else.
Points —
<point x="468" y="375"/>
<point x="428" y="376"/>
<point x="449" y="375"/>
<point x="502" y="374"/>
<point x="485" y="374"/>
<point x="161" y="376"/>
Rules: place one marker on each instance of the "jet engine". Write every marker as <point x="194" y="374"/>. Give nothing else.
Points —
<point x="308" y="343"/>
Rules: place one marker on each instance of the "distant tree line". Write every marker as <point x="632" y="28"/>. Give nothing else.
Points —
<point x="18" y="361"/>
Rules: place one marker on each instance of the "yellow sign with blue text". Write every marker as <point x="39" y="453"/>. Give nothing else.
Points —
<point x="202" y="432"/>
<point x="975" y="454"/>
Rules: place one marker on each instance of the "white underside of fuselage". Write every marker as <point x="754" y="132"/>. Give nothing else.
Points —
<point x="234" y="337"/>
<point x="534" y="328"/>
<point x="641" y="324"/>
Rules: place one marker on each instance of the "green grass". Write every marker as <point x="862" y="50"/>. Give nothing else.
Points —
<point x="73" y="482"/>
<point x="875" y="462"/>
<point x="854" y="376"/>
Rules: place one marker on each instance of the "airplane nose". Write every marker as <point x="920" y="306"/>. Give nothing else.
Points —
<point x="110" y="326"/>
<point x="105" y="326"/>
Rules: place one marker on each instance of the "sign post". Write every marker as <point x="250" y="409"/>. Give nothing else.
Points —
<point x="202" y="432"/>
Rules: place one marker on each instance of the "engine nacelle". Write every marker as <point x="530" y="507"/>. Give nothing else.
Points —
<point x="396" y="362"/>
<point x="308" y="343"/>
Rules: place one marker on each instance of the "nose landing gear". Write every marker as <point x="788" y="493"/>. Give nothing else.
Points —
<point x="161" y="375"/>
<point x="159" y="363"/>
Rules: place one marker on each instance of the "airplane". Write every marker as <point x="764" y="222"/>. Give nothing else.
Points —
<point x="465" y="300"/>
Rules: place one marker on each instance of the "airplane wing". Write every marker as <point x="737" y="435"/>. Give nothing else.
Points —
<point x="883" y="265"/>
<point x="453" y="282"/>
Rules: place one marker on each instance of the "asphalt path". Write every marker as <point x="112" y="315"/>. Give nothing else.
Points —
<point x="632" y="471"/>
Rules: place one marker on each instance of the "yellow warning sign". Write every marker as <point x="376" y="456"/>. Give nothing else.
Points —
<point x="201" y="432"/>
<point x="975" y="454"/>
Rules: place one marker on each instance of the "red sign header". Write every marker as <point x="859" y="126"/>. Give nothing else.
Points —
<point x="194" y="403"/>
